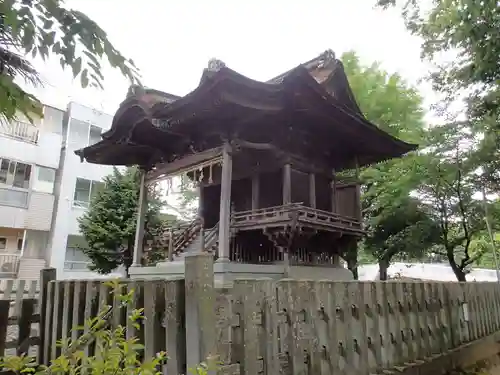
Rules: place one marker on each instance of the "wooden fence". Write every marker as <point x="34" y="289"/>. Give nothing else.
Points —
<point x="288" y="326"/>
<point x="18" y="314"/>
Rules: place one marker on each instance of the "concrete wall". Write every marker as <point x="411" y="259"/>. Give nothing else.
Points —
<point x="45" y="153"/>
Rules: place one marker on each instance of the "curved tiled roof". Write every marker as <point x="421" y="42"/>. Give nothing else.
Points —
<point x="152" y="127"/>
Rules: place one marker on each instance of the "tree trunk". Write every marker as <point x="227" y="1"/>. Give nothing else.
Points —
<point x="459" y="273"/>
<point x="383" y="266"/>
<point x="352" y="265"/>
<point x="350" y="256"/>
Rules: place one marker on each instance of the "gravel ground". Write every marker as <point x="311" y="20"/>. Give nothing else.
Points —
<point x="12" y="334"/>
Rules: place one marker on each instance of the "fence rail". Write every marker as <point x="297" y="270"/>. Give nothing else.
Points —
<point x="288" y="326"/>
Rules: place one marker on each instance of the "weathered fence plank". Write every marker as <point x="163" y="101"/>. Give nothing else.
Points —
<point x="265" y="327"/>
<point x="27" y="311"/>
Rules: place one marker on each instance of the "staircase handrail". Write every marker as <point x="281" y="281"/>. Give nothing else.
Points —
<point x="181" y="240"/>
<point x="211" y="236"/>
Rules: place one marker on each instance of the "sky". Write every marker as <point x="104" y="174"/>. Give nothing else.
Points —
<point x="171" y="42"/>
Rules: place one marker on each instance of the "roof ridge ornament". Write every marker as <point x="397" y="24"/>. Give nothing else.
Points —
<point x="214" y="65"/>
<point x="326" y="57"/>
<point x="135" y="90"/>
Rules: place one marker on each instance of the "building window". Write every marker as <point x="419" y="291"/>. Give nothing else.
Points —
<point x="45" y="179"/>
<point x="94" y="135"/>
<point x="14" y="173"/>
<point x="83" y="133"/>
<point x="85" y="190"/>
<point x="53" y="120"/>
<point x="75" y="259"/>
<point x="22" y="174"/>
<point x="14" y="183"/>
<point x="19" y="244"/>
<point x="3" y="243"/>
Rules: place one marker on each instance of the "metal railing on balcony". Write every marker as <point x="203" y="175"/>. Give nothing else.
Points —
<point x="20" y="130"/>
<point x="9" y="264"/>
<point x="76" y="265"/>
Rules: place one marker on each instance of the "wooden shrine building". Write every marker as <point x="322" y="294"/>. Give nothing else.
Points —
<point x="265" y="156"/>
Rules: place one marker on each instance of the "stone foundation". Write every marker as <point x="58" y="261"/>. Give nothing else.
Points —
<point x="226" y="272"/>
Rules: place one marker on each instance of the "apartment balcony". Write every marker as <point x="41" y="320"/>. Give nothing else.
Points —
<point x="22" y="131"/>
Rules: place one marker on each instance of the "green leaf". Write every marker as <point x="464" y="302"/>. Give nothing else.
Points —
<point x="49" y="38"/>
<point x="76" y="66"/>
<point x="47" y="24"/>
<point x="56" y="48"/>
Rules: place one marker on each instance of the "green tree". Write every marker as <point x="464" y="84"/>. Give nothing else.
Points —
<point x="394" y="220"/>
<point x="469" y="32"/>
<point x="449" y="183"/>
<point x="405" y="231"/>
<point x="188" y="197"/>
<point x="109" y="224"/>
<point x="49" y="29"/>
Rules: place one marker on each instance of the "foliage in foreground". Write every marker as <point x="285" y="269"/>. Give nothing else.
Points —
<point x="115" y="354"/>
<point x="47" y="28"/>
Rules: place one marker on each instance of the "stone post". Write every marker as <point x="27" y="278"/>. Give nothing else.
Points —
<point x="200" y="308"/>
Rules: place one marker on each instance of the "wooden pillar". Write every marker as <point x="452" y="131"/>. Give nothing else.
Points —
<point x="312" y="190"/>
<point x="201" y="203"/>
<point x="359" y="215"/>
<point x="287" y="184"/>
<point x="255" y="191"/>
<point x="141" y="216"/>
<point x="334" y="192"/>
<point x="170" y="245"/>
<point x="225" y="204"/>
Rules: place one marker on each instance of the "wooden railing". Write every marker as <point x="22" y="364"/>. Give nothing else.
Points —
<point x="314" y="215"/>
<point x="275" y="213"/>
<point x="284" y="212"/>
<point x="180" y="237"/>
<point x="182" y="240"/>
<point x="211" y="238"/>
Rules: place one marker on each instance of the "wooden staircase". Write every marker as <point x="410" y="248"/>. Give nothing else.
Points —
<point x="189" y="238"/>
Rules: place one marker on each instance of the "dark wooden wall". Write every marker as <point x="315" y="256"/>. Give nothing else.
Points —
<point x="300" y="187"/>
<point x="323" y="193"/>
<point x="271" y="189"/>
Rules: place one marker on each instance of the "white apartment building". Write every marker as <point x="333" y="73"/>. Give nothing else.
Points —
<point x="44" y="188"/>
